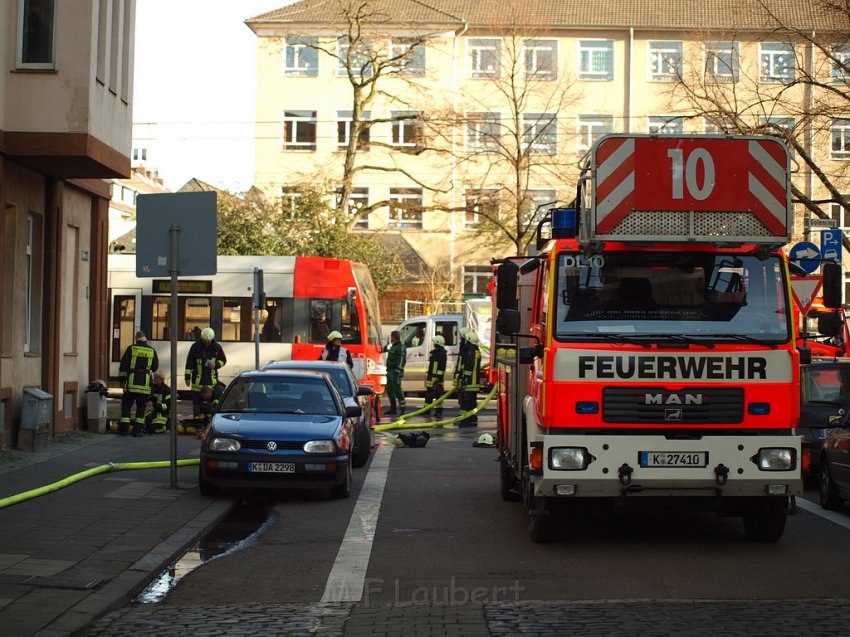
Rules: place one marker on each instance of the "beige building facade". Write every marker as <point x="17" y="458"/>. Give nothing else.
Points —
<point x="491" y="81"/>
<point x="65" y="121"/>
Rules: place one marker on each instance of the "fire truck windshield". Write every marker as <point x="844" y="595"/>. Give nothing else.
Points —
<point x="730" y="297"/>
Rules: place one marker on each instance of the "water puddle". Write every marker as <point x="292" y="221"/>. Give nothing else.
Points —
<point x="237" y="530"/>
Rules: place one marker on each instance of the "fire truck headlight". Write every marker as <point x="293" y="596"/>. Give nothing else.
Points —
<point x="569" y="458"/>
<point x="776" y="459"/>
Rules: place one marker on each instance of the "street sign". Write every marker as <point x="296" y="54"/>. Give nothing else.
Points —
<point x="830" y="245"/>
<point x="806" y="255"/>
<point x="817" y="222"/>
<point x="805" y="290"/>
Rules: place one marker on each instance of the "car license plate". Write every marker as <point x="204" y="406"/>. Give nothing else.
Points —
<point x="673" y="458"/>
<point x="271" y="467"/>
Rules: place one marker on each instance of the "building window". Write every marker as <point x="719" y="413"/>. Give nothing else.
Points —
<point x="781" y="127"/>
<point x="841" y="213"/>
<point x="665" y="61"/>
<point x="476" y="278"/>
<point x="9" y="245"/>
<point x="712" y="127"/>
<point x="483" y="131"/>
<point x="290" y="200"/>
<point x="408" y="57"/>
<point x="841" y="64"/>
<point x="299" y="130"/>
<point x="36" y="34"/>
<point x="484" y="58"/>
<point x="480" y="204"/>
<point x="840" y="133"/>
<point x="536" y="203"/>
<point x="540" y="133"/>
<point x="665" y="124"/>
<point x="777" y="63"/>
<point x="405" y="208"/>
<point x="591" y="128"/>
<point x="344" y="124"/>
<point x="407" y="129"/>
<point x="540" y="59"/>
<point x="33" y="284"/>
<point x="721" y="61"/>
<point x="359" y="61"/>
<point x="71" y="288"/>
<point x="596" y="59"/>
<point x="301" y="57"/>
<point x="358" y="201"/>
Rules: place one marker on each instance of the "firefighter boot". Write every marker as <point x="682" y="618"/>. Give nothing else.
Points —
<point x="138" y="429"/>
<point x="124" y="427"/>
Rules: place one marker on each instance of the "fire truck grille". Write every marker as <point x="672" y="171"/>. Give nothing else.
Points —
<point x="686" y="224"/>
<point x="653" y="405"/>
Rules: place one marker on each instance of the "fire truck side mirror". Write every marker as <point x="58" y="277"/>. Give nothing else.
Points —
<point x="528" y="354"/>
<point x="506" y="284"/>
<point x="805" y="355"/>
<point x="831" y="285"/>
<point x="830" y="323"/>
<point x="508" y="322"/>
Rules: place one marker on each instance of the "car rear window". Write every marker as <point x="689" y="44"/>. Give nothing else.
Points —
<point x="280" y="395"/>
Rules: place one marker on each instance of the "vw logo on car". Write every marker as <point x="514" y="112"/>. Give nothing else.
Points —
<point x="271" y="446"/>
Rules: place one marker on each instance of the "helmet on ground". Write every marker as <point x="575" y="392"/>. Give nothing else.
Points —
<point x="472" y="337"/>
<point x="334" y="335"/>
<point x="207" y="334"/>
<point x="485" y="439"/>
<point x="439" y="340"/>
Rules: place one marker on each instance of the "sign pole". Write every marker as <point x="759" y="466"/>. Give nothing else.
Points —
<point x="175" y="272"/>
<point x="257" y="318"/>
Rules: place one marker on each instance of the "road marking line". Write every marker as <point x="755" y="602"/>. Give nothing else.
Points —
<point x="832" y="516"/>
<point x="348" y="575"/>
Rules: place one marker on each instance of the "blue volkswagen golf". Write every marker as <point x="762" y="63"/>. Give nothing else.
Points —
<point x="279" y="429"/>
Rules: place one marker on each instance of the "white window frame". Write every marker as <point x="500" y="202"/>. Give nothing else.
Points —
<point x="345" y="119"/>
<point x="841" y="53"/>
<point x="359" y="199"/>
<point x="769" y="60"/>
<point x="540" y="133"/>
<point x="21" y="63"/>
<point x="289" y="197"/>
<point x="710" y="128"/>
<point x="301" y="47"/>
<point x="533" y="66"/>
<point x="786" y="122"/>
<point x="483" y="131"/>
<point x="591" y="127"/>
<point x="665" y="125"/>
<point x="840" y="213"/>
<point x="839" y="132"/>
<point x="722" y="61"/>
<point x="413" y="64"/>
<point x="587" y="69"/>
<point x="293" y="119"/>
<point x="479" y="53"/>
<point x="663" y="54"/>
<point x="363" y="54"/>
<point x="400" y="129"/>
<point x="479" y="276"/>
<point x="395" y="214"/>
<point x="539" y="197"/>
<point x="474" y="199"/>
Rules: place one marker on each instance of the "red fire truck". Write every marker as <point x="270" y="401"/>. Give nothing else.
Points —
<point x="647" y="353"/>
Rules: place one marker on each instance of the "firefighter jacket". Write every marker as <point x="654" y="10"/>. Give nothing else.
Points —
<point x="396" y="358"/>
<point x="457" y="379"/>
<point x="197" y="370"/>
<point x="137" y="364"/>
<point x="436" y="366"/>
<point x="336" y="353"/>
<point x="470" y="381"/>
<point x="161" y="399"/>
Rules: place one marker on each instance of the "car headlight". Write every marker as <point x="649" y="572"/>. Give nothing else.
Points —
<point x="319" y="446"/>
<point x="225" y="444"/>
<point x="569" y="458"/>
<point x="776" y="459"/>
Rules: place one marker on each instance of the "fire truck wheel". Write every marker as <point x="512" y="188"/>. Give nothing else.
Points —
<point x="765" y="519"/>
<point x="540" y="519"/>
<point x="507" y="482"/>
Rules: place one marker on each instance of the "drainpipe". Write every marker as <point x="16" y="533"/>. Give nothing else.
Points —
<point x="453" y="230"/>
<point x="630" y="80"/>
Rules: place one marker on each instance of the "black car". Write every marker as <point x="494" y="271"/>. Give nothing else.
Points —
<point x="835" y="467"/>
<point x="824" y="394"/>
<point x="280" y="429"/>
<point x="352" y="393"/>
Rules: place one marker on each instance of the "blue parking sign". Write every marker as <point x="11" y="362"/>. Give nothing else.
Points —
<point x="830" y="245"/>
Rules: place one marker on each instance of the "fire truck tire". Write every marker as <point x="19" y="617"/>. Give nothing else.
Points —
<point x="828" y="493"/>
<point x="508" y="487"/>
<point x="540" y="520"/>
<point x="765" y="519"/>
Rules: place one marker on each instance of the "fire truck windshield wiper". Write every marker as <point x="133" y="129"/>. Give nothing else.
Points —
<point x="746" y="338"/>
<point x="684" y="338"/>
<point x="608" y="336"/>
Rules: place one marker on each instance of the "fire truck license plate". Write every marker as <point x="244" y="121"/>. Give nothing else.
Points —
<point x="271" y="467"/>
<point x="673" y="458"/>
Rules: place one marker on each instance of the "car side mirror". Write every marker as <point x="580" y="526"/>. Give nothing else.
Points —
<point x="830" y="323"/>
<point x="364" y="390"/>
<point x="353" y="411"/>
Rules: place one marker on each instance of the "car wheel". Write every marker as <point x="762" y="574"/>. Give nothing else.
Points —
<point x="362" y="445"/>
<point x="343" y="490"/>
<point x="205" y="487"/>
<point x="765" y="519"/>
<point x="828" y="492"/>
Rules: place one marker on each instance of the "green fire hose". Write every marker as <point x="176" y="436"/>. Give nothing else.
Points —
<point x="402" y="423"/>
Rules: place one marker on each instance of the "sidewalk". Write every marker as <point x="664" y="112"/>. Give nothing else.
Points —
<point x="69" y="556"/>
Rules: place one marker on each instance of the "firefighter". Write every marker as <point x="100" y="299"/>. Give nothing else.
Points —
<point x="396" y="359"/>
<point x="334" y="351"/>
<point x="205" y="358"/>
<point x="470" y="381"/>
<point x="458" y="374"/>
<point x="159" y="406"/>
<point x="435" y="376"/>
<point x="137" y="363"/>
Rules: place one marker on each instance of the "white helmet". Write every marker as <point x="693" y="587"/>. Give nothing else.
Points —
<point x="439" y="340"/>
<point x="485" y="439"/>
<point x="472" y="337"/>
<point x="334" y="335"/>
<point x="207" y="334"/>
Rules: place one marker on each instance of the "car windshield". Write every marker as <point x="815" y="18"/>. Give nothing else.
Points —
<point x="279" y="395"/>
<point x="339" y="375"/>
<point x="697" y="295"/>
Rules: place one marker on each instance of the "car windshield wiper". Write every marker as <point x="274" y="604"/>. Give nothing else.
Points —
<point x="745" y="338"/>
<point x="608" y="336"/>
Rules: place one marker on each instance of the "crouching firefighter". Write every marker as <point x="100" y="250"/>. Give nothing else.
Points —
<point x="159" y="406"/>
<point x="137" y="363"/>
<point x="434" y="379"/>
<point x="470" y="382"/>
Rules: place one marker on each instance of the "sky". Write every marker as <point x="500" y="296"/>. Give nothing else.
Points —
<point x="194" y="89"/>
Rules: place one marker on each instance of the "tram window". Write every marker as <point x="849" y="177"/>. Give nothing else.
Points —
<point x="195" y="315"/>
<point x="161" y="323"/>
<point x="319" y="320"/>
<point x="237" y="317"/>
<point x="271" y="320"/>
<point x="327" y="315"/>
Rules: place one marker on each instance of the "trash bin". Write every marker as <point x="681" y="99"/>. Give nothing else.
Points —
<point x="36" y="413"/>
<point x="96" y="406"/>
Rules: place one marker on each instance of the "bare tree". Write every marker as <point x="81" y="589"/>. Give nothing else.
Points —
<point x="439" y="288"/>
